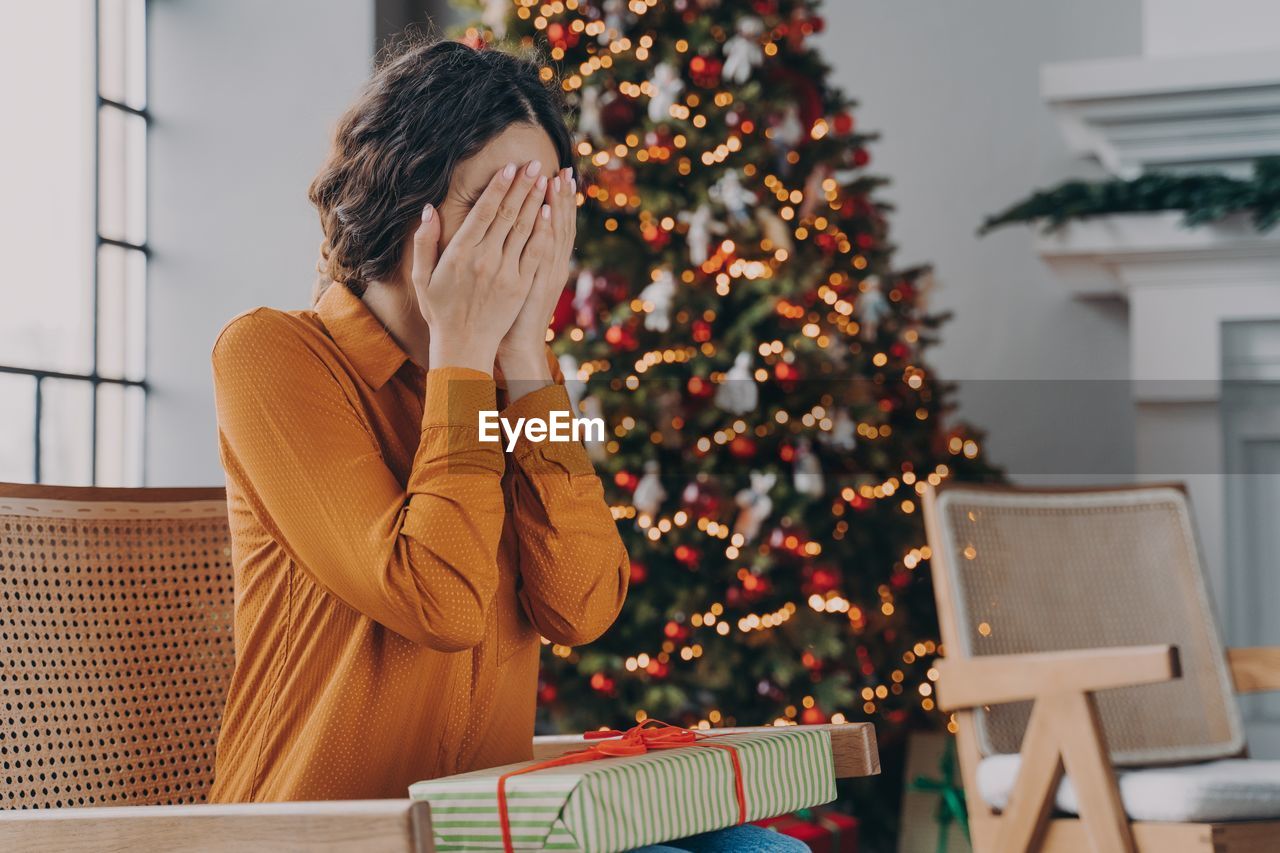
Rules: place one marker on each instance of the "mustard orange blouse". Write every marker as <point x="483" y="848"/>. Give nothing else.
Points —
<point x="393" y="573"/>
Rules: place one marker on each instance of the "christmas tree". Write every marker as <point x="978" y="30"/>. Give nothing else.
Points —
<point x="737" y="321"/>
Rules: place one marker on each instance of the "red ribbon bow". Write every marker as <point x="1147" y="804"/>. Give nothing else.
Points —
<point x="637" y="740"/>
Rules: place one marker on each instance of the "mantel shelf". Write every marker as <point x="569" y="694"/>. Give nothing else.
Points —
<point x="1110" y="256"/>
<point x="1136" y="114"/>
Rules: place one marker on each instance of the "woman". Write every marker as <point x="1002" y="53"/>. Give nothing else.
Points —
<point x="393" y="572"/>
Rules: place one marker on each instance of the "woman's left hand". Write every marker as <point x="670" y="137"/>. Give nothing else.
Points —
<point x="522" y="353"/>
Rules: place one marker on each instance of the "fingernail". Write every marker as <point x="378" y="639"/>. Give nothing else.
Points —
<point x="556" y="184"/>
<point x="510" y="171"/>
<point x="535" y="167"/>
<point x="541" y="183"/>
<point x="573" y="184"/>
<point x="546" y="211"/>
<point x="428" y="212"/>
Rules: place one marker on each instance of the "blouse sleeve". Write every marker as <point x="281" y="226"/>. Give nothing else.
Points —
<point x="573" y="565"/>
<point x="420" y="560"/>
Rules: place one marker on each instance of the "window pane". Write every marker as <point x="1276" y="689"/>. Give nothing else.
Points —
<point x="121" y="312"/>
<point x="122" y="174"/>
<point x="120" y="415"/>
<point x="66" y="432"/>
<point x="122" y="54"/>
<point x="17" y="428"/>
<point x="46" y="172"/>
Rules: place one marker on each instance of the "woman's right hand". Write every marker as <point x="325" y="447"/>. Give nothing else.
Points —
<point x="471" y="293"/>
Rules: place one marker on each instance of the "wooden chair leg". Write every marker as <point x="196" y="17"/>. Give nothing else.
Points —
<point x="1031" y="801"/>
<point x="1084" y="753"/>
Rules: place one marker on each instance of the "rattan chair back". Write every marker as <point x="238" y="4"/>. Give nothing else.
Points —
<point x="1019" y="571"/>
<point x="116" y="636"/>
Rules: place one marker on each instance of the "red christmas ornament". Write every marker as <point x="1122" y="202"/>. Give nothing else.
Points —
<point x="823" y="579"/>
<point x="899" y="350"/>
<point x="639" y="574"/>
<point x="687" y="556"/>
<point x="547" y="694"/>
<point x="705" y="71"/>
<point x="658" y="669"/>
<point x="562" y="317"/>
<point x="558" y="35"/>
<point x="701" y="331"/>
<point x="787" y="453"/>
<point x="861" y="157"/>
<point x="602" y="683"/>
<point x="842" y="123"/>
<point x="620" y="337"/>
<point x="813" y="716"/>
<point x="899" y="580"/>
<point x="617" y="116"/>
<point x="699" y="387"/>
<point x="626" y="480"/>
<point x="673" y="630"/>
<point x="742" y="447"/>
<point x="865" y="240"/>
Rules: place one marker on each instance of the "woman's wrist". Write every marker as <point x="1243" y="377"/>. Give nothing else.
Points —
<point x="523" y="370"/>
<point x="476" y="356"/>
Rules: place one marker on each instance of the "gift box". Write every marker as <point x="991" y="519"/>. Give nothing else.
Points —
<point x="933" y="809"/>
<point x="824" y="830"/>
<point x="645" y="786"/>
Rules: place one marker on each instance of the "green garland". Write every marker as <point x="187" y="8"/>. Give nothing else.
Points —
<point x="1202" y="198"/>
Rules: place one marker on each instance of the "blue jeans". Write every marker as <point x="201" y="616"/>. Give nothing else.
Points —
<point x="735" y="839"/>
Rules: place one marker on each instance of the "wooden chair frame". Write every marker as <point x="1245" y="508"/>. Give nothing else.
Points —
<point x="1064" y="735"/>
<point x="366" y="826"/>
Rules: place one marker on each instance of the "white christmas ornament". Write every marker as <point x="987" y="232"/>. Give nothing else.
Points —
<point x="494" y="16"/>
<point x="774" y="229"/>
<point x="659" y="294"/>
<point x="649" y="493"/>
<point x="789" y="132"/>
<point x="572" y="384"/>
<point x="872" y="307"/>
<point x="742" y="53"/>
<point x="667" y="87"/>
<point x="589" y="123"/>
<point x="844" y="432"/>
<point x="701" y="228"/>
<point x="583" y="288"/>
<point x="592" y="408"/>
<point x="807" y="475"/>
<point x="736" y="198"/>
<point x="614" y="20"/>
<point x="754" y="505"/>
<point x="738" y="393"/>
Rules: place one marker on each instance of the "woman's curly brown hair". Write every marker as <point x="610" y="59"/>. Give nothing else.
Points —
<point x="424" y="111"/>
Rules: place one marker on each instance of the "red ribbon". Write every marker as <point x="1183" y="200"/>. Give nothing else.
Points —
<point x="637" y="740"/>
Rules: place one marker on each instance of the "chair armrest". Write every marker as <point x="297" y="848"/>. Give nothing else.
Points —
<point x="853" y="746"/>
<point x="377" y="826"/>
<point x="1255" y="670"/>
<point x="996" y="679"/>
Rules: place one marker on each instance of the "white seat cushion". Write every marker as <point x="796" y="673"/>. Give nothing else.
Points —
<point x="1231" y="789"/>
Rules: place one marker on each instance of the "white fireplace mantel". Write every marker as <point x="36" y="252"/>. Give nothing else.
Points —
<point x="1181" y="284"/>
<point x="1172" y="112"/>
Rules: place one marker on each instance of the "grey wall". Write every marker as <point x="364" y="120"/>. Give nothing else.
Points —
<point x="953" y="88"/>
<point x="245" y="95"/>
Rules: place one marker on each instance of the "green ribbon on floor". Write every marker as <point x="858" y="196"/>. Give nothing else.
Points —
<point x="950" y="791"/>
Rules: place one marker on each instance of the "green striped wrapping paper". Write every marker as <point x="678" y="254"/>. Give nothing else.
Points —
<point x="615" y="804"/>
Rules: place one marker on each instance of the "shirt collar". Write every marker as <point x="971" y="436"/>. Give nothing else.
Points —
<point x="360" y="335"/>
